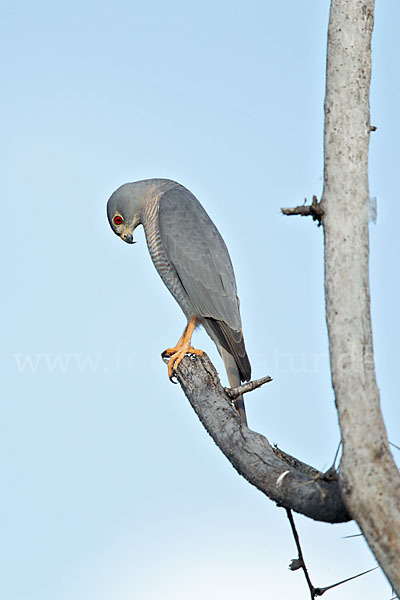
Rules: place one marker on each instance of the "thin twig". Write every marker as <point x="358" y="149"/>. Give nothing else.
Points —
<point x="320" y="591"/>
<point x="337" y="452"/>
<point x="234" y="393"/>
<point x="332" y="473"/>
<point x="299" y="564"/>
<point x="313" y="210"/>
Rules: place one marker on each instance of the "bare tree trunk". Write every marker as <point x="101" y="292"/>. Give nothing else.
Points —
<point x="369" y="479"/>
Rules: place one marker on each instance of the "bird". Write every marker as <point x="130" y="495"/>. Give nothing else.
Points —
<point x="193" y="261"/>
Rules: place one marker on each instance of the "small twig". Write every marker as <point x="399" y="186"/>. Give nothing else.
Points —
<point x="313" y="210"/>
<point x="299" y="563"/>
<point x="234" y="393"/>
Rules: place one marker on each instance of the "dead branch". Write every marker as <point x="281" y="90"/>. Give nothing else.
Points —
<point x="234" y="393"/>
<point x="313" y="210"/>
<point x="283" y="478"/>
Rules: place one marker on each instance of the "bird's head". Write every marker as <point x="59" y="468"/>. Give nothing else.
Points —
<point x="124" y="211"/>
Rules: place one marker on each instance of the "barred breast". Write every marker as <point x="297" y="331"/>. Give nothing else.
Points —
<point x="158" y="255"/>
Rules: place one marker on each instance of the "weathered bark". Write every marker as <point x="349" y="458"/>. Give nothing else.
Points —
<point x="283" y="478"/>
<point x="369" y="479"/>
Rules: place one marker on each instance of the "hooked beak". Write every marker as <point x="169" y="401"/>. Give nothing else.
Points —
<point x="128" y="238"/>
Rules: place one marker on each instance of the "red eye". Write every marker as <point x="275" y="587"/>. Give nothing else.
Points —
<point x="117" y="220"/>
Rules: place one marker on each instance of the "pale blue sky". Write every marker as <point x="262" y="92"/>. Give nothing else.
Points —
<point x="111" y="489"/>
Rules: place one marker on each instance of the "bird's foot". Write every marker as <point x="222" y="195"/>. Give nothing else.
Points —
<point x="176" y="354"/>
<point x="182" y="348"/>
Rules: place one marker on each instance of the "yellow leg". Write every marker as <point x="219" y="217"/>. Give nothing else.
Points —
<point x="182" y="347"/>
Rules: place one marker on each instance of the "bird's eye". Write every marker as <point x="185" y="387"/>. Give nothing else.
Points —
<point x="118" y="220"/>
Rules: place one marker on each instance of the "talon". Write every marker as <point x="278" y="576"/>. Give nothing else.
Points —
<point x="181" y="349"/>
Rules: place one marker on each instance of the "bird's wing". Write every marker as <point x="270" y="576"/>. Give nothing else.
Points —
<point x="199" y="255"/>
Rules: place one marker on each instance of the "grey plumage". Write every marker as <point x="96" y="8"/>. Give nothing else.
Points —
<point x="191" y="258"/>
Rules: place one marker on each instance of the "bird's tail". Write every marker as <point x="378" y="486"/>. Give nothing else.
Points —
<point x="232" y="372"/>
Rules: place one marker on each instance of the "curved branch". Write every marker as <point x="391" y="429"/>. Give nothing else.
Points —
<point x="286" y="480"/>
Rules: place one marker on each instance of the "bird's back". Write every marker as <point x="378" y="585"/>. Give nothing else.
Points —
<point x="198" y="254"/>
